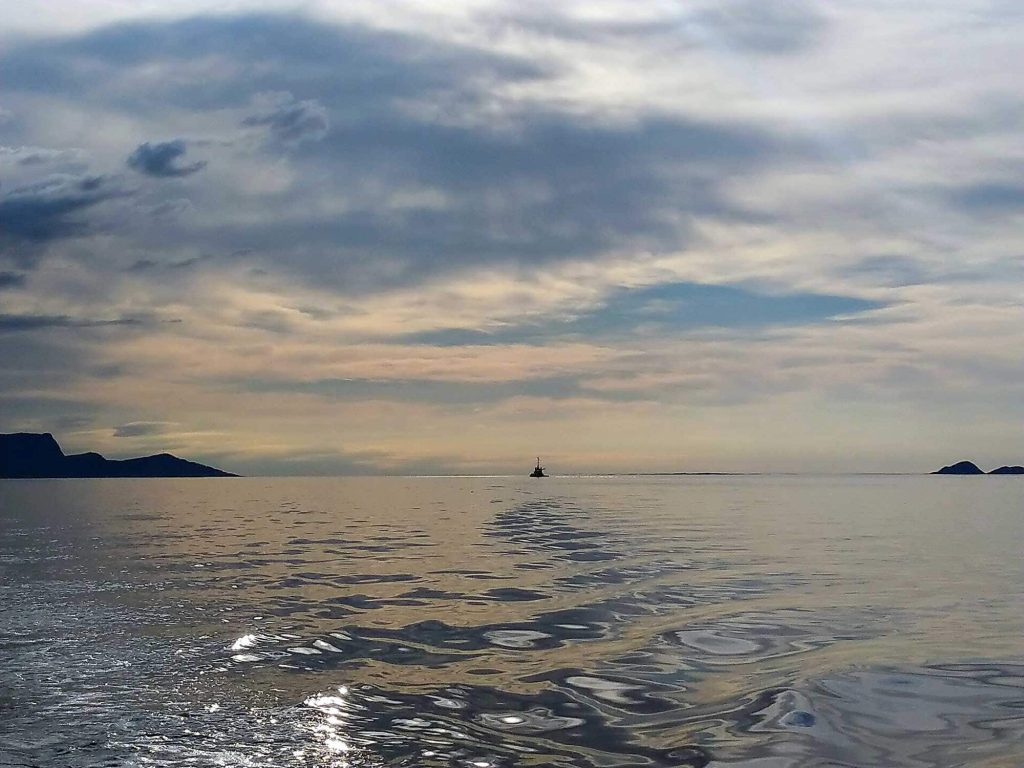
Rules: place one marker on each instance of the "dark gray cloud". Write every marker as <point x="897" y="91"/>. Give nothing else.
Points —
<point x="551" y="188"/>
<point x="163" y="160"/>
<point x="13" y="323"/>
<point x="11" y="280"/>
<point x="351" y="70"/>
<point x="146" y="265"/>
<point x="33" y="215"/>
<point x="35" y="158"/>
<point x="290" y="122"/>
<point x="410" y="120"/>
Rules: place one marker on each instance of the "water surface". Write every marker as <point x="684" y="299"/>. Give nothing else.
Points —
<point x="686" y="621"/>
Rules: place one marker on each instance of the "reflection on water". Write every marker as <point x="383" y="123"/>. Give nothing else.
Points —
<point x="762" y="622"/>
<point x="946" y="715"/>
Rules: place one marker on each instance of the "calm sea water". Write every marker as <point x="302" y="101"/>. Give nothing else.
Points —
<point x="490" y="622"/>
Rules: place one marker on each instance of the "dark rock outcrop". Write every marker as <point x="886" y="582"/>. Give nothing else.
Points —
<point x="31" y="455"/>
<point x="1014" y="470"/>
<point x="960" y="468"/>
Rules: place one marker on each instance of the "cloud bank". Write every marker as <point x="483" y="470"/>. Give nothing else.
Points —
<point x="720" y="236"/>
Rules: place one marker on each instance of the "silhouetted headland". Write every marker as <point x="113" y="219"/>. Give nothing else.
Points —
<point x="970" y="468"/>
<point x="960" y="468"/>
<point x="26" y="454"/>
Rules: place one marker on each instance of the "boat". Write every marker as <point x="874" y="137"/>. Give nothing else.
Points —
<point x="538" y="471"/>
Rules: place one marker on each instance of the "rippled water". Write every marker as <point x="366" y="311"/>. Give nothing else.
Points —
<point x="748" y="621"/>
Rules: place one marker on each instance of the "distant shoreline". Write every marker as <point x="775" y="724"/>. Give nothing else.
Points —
<point x="27" y="455"/>
<point x="508" y="476"/>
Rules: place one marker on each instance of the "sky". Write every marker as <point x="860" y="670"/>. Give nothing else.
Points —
<point x="405" y="237"/>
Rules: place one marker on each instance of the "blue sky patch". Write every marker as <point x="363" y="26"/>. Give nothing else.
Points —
<point x="664" y="309"/>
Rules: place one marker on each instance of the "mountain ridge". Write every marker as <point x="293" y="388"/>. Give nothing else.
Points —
<point x="39" y="455"/>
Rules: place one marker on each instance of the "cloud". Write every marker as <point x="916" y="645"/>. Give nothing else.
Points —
<point x="549" y="190"/>
<point x="161" y="160"/>
<point x="11" y="280"/>
<point x="309" y="462"/>
<point x="45" y="211"/>
<point x="459" y="231"/>
<point x="419" y="390"/>
<point x="429" y="167"/>
<point x="777" y="27"/>
<point x="289" y="121"/>
<point x="14" y="323"/>
<point x="216" y="62"/>
<point x="43" y="413"/>
<point x="172" y="208"/>
<point x="69" y="160"/>
<point x="990" y="198"/>
<point x="145" y="265"/>
<point x="141" y="428"/>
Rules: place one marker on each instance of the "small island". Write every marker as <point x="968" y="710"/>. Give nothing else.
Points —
<point x="970" y="468"/>
<point x="31" y="455"/>
<point x="961" y="468"/>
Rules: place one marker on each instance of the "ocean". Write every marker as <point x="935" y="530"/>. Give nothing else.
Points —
<point x="756" y="621"/>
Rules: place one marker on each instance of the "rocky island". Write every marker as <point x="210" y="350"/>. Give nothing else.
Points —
<point x="961" y="468"/>
<point x="970" y="468"/>
<point x="26" y="454"/>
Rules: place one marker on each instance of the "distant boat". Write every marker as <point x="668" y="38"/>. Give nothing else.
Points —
<point x="538" y="471"/>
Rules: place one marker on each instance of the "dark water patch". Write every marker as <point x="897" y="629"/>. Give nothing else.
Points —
<point x="474" y="575"/>
<point x="617" y="575"/>
<point x="514" y="594"/>
<point x="545" y="527"/>
<point x="428" y="593"/>
<point x="609" y="690"/>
